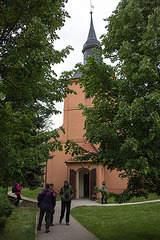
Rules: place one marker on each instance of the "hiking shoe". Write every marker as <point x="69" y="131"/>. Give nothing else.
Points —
<point x="38" y="228"/>
<point x="67" y="224"/>
<point x="47" y="231"/>
<point x="51" y="224"/>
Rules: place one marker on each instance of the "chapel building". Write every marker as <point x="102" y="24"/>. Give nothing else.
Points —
<point x="61" y="167"/>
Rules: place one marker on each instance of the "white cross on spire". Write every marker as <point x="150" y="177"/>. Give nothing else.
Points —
<point x="91" y="5"/>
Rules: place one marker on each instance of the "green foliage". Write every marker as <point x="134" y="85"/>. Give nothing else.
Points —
<point x="29" y="87"/>
<point x="120" y="198"/>
<point x="97" y="190"/>
<point x="124" y="120"/>
<point x="104" y="193"/>
<point x="21" y="224"/>
<point x="125" y="197"/>
<point x="5" y="208"/>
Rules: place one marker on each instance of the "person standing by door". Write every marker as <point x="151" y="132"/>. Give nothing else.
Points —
<point x="66" y="194"/>
<point x="104" y="194"/>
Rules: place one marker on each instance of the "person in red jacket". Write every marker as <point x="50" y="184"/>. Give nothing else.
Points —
<point x="18" y="193"/>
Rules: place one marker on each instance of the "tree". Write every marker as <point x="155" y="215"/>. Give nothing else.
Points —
<point x="29" y="86"/>
<point x="124" y="120"/>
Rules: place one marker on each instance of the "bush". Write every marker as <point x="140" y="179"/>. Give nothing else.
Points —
<point x="104" y="193"/>
<point x="5" y="207"/>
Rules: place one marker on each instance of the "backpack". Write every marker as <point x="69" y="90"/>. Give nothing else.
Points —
<point x="14" y="189"/>
<point x="40" y="200"/>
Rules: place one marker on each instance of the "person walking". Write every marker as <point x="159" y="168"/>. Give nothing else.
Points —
<point x="66" y="194"/>
<point x="104" y="193"/>
<point x="52" y="213"/>
<point x="18" y="193"/>
<point x="46" y="202"/>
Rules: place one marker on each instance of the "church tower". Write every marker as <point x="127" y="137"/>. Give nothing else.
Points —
<point x="61" y="167"/>
<point x="73" y="119"/>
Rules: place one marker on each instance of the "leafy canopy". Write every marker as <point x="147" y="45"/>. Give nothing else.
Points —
<point x="29" y="86"/>
<point x="124" y="120"/>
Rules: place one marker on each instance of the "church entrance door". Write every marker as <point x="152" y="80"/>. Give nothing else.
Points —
<point x="83" y="183"/>
<point x="73" y="181"/>
<point x="92" y="182"/>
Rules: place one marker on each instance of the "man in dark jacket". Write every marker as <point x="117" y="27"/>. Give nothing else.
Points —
<point x="66" y="197"/>
<point x="46" y="202"/>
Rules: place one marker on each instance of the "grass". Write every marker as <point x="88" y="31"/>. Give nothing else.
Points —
<point x="141" y="199"/>
<point x="123" y="222"/>
<point x="26" y="192"/>
<point x="34" y="193"/>
<point x="31" y="193"/>
<point x="21" y="224"/>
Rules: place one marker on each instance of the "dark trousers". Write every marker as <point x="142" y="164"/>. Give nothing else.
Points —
<point x="63" y="206"/>
<point x="18" y="199"/>
<point x="51" y="219"/>
<point x="48" y="217"/>
<point x="103" y="198"/>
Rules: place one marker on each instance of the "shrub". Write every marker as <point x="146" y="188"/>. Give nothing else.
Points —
<point x="5" y="207"/>
<point x="104" y="193"/>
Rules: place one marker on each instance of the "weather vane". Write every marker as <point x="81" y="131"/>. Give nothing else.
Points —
<point x="91" y="5"/>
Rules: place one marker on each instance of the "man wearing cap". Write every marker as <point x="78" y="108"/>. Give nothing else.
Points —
<point x="66" y="194"/>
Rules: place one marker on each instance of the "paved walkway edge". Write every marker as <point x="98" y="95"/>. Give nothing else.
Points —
<point x="36" y="234"/>
<point x="23" y="198"/>
<point x="88" y="202"/>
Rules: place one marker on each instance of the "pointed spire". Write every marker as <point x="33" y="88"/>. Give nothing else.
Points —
<point x="91" y="42"/>
<point x="91" y="34"/>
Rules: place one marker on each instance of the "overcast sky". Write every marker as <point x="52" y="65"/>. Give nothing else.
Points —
<point x="75" y="33"/>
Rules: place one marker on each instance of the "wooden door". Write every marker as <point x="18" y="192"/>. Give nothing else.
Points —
<point x="73" y="181"/>
<point x="92" y="182"/>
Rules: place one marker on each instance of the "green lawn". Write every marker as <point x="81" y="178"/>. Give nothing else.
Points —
<point x="21" y="224"/>
<point x="135" y="222"/>
<point x="141" y="199"/>
<point x="32" y="193"/>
